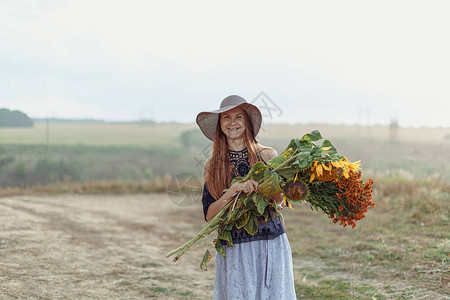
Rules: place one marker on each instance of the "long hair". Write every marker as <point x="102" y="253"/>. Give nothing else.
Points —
<point x="218" y="176"/>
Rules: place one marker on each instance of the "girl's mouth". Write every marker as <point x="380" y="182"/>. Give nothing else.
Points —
<point x="233" y="129"/>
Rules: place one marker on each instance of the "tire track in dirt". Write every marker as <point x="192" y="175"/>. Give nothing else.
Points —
<point x="122" y="249"/>
<point x="164" y="232"/>
<point x="80" y="235"/>
<point x="158" y="233"/>
<point x="126" y="224"/>
<point x="112" y="229"/>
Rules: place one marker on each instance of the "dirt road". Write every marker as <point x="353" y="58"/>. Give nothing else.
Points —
<point x="114" y="247"/>
<point x="98" y="247"/>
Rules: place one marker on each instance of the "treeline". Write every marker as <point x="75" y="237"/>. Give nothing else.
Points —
<point x="44" y="171"/>
<point x="14" y="118"/>
<point x="30" y="165"/>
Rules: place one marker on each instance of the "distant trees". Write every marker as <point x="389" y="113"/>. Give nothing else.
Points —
<point x="193" y="138"/>
<point x="14" y="118"/>
<point x="22" y="172"/>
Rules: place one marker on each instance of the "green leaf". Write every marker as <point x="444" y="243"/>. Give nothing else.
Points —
<point x="236" y="179"/>
<point x="236" y="212"/>
<point x="260" y="202"/>
<point x="271" y="184"/>
<point x="243" y="220"/>
<point x="292" y="145"/>
<point x="306" y="141"/>
<point x="248" y="199"/>
<point x="228" y="217"/>
<point x="304" y="159"/>
<point x="327" y="143"/>
<point x="219" y="248"/>
<point x="248" y="202"/>
<point x="242" y="211"/>
<point x="306" y="138"/>
<point x="315" y="135"/>
<point x="226" y="236"/>
<point x="256" y="172"/>
<point x="287" y="172"/>
<point x="278" y="160"/>
<point x="206" y="258"/>
<point x="252" y="226"/>
<point x="229" y="227"/>
<point x="266" y="214"/>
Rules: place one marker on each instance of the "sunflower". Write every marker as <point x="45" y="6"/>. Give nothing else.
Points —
<point x="323" y="171"/>
<point x="330" y="171"/>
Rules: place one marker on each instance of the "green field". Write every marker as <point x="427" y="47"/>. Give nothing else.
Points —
<point x="95" y="133"/>
<point x="89" y="152"/>
<point x="150" y="134"/>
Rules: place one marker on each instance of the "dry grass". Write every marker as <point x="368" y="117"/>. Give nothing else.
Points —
<point x="98" y="187"/>
<point x="400" y="250"/>
<point x="113" y="247"/>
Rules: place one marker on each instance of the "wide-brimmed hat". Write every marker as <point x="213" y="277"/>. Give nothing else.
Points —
<point x="207" y="120"/>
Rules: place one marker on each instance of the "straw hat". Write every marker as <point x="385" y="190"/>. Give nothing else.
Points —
<point x="207" y="120"/>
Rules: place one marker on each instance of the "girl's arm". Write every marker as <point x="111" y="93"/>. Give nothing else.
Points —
<point x="217" y="206"/>
<point x="247" y="187"/>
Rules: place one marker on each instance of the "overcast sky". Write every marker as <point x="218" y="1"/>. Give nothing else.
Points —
<point x="317" y="61"/>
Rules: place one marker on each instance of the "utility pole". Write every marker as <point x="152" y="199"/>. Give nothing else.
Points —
<point x="393" y="129"/>
<point x="47" y="131"/>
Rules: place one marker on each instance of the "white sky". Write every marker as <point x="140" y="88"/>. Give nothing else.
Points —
<point x="318" y="61"/>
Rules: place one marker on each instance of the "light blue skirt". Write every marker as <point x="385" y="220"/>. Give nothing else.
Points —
<point x="256" y="270"/>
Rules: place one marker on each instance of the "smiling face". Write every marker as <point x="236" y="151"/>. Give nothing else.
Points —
<point x="232" y="123"/>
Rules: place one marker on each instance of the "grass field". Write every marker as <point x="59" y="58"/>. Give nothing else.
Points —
<point x="85" y="221"/>
<point x="148" y="134"/>
<point x="102" y="134"/>
<point x="400" y="251"/>
<point x="86" y="152"/>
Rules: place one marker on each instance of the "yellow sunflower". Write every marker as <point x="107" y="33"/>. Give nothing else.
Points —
<point x="329" y="171"/>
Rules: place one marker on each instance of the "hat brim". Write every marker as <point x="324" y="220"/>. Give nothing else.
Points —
<point x="207" y="120"/>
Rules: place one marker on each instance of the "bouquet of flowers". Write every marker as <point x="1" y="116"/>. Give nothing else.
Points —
<point x="304" y="172"/>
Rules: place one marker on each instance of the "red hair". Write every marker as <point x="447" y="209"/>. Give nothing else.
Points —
<point x="218" y="175"/>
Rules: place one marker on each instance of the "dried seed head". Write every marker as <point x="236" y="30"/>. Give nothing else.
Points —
<point x="295" y="190"/>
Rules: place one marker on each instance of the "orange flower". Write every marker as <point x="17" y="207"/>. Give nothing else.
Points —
<point x="355" y="196"/>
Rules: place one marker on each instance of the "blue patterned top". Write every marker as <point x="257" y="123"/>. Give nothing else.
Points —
<point x="240" y="166"/>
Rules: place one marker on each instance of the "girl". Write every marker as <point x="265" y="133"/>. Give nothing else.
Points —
<point x="258" y="266"/>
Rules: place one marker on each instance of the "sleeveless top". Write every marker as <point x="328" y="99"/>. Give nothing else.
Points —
<point x="240" y="166"/>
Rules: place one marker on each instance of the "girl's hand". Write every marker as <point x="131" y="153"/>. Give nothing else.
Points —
<point x="247" y="186"/>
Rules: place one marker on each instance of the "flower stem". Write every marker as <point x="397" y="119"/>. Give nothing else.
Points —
<point x="286" y="161"/>
<point x="212" y="225"/>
